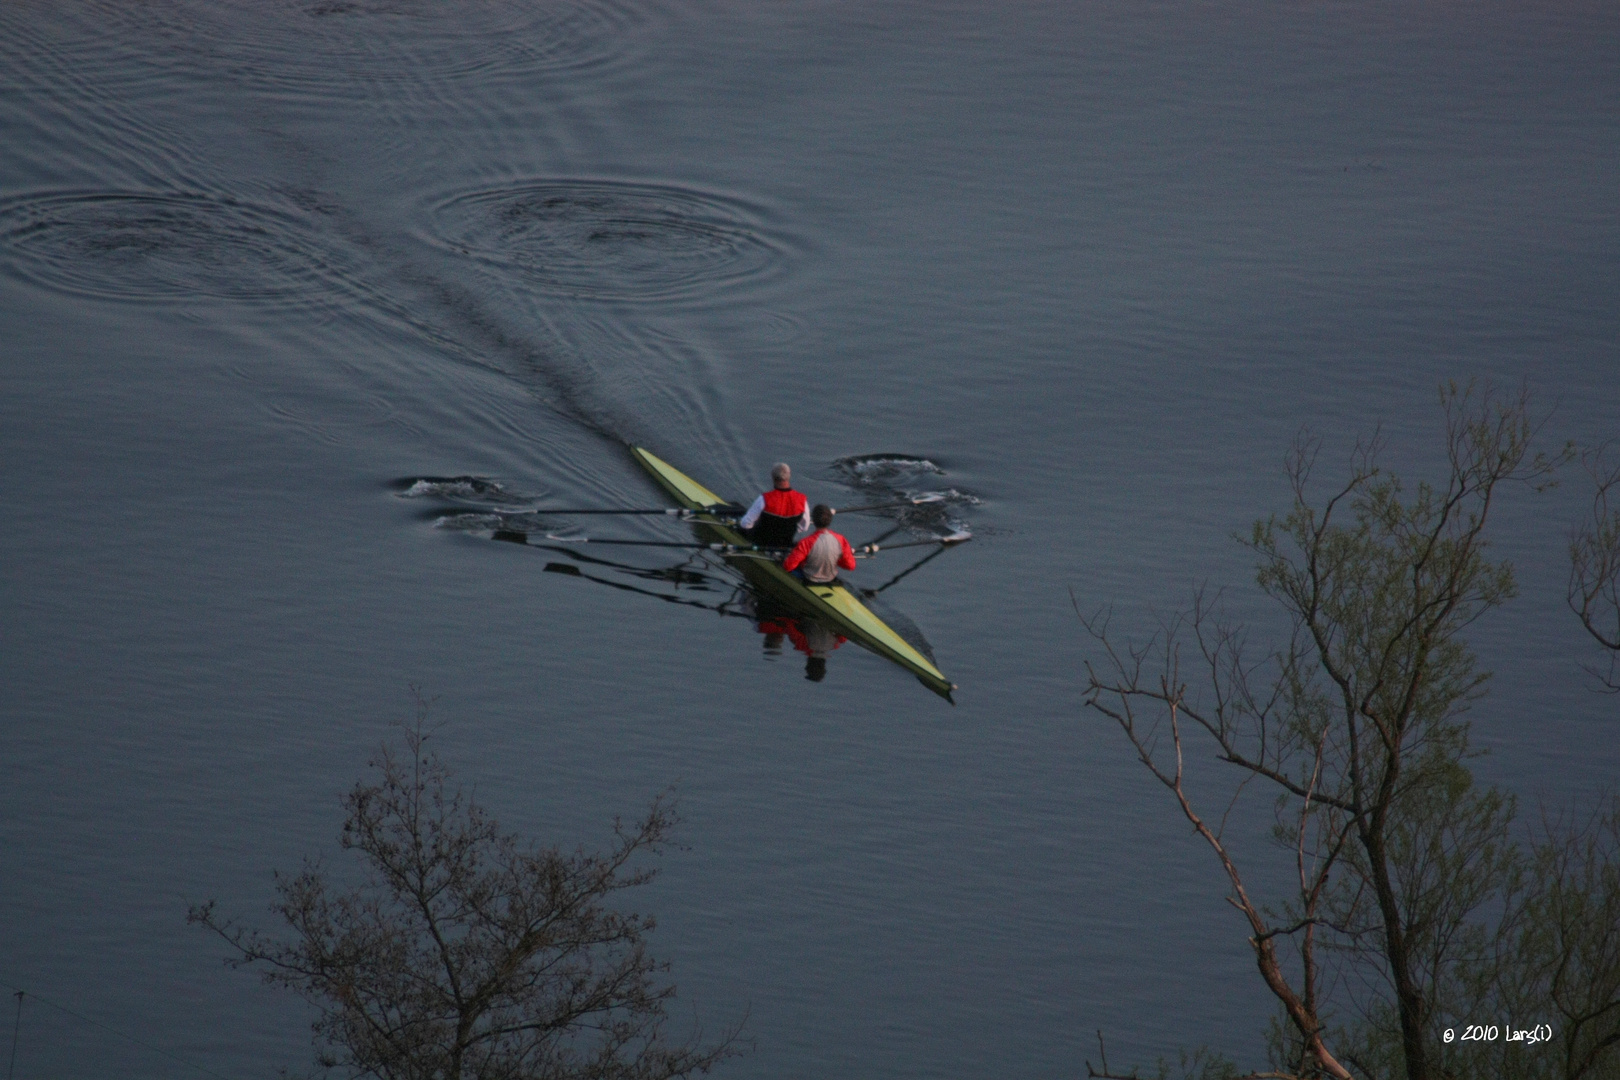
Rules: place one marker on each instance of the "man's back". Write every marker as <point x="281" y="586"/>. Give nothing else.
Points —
<point x="779" y="515"/>
<point x="818" y="557"/>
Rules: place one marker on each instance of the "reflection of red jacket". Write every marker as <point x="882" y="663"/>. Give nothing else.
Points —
<point x="846" y="557"/>
<point x="795" y="633"/>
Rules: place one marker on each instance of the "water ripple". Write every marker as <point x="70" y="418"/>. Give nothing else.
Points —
<point x="381" y="47"/>
<point x="478" y="489"/>
<point x="144" y="246"/>
<point x="602" y="240"/>
<point x="884" y="477"/>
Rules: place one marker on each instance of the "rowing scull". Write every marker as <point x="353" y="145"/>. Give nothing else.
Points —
<point x="834" y="605"/>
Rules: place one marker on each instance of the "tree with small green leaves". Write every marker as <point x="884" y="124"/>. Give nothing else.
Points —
<point x="1594" y="563"/>
<point x="1357" y="725"/>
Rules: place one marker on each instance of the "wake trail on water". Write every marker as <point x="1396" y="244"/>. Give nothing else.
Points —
<point x="185" y="228"/>
<point x="573" y="287"/>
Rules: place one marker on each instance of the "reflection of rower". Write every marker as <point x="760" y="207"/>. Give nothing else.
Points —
<point x="780" y="515"/>
<point x="808" y="636"/>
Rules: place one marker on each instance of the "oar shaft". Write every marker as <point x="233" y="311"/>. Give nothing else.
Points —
<point x="633" y="543"/>
<point x="671" y="511"/>
<point x="944" y="541"/>
<point x="891" y="505"/>
<point x="908" y="571"/>
<point x="722" y="548"/>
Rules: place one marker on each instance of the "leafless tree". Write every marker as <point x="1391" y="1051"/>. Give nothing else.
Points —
<point x="1594" y="563"/>
<point x="1356" y="725"/>
<point x="466" y="953"/>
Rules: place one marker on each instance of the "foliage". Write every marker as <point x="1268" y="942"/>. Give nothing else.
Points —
<point x="1552" y="961"/>
<point x="1200" y="1064"/>
<point x="1564" y="953"/>
<point x="466" y="952"/>
<point x="1594" y="564"/>
<point x="1358" y="726"/>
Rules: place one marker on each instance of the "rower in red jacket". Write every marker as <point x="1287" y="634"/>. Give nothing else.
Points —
<point x="777" y="517"/>
<point x="818" y="557"/>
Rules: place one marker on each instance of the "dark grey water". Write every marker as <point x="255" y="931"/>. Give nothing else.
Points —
<point x="1098" y="264"/>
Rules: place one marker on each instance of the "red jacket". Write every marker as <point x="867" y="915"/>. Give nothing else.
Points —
<point x="796" y="557"/>
<point x="788" y="504"/>
<point x="776" y="517"/>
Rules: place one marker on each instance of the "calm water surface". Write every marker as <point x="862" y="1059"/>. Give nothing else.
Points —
<point x="264" y="265"/>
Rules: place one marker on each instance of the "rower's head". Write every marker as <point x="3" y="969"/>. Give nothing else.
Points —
<point x="821" y="516"/>
<point x="781" y="476"/>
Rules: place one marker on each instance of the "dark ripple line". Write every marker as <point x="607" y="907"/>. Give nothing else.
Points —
<point x="327" y="50"/>
<point x="609" y="240"/>
<point x="96" y="87"/>
<point x="145" y="245"/>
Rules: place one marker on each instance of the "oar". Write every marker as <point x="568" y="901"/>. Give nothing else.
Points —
<point x="908" y="571"/>
<point x="514" y="537"/>
<point x="574" y="571"/>
<point x="680" y="573"/>
<point x="880" y="537"/>
<point x="729" y="509"/>
<point x="669" y="511"/>
<point x="921" y="500"/>
<point x="943" y="541"/>
<point x="728" y="549"/>
<point x="738" y="549"/>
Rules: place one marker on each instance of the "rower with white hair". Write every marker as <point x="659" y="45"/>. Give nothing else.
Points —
<point x="779" y="516"/>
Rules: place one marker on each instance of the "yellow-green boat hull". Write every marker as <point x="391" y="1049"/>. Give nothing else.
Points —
<point x="834" y="605"/>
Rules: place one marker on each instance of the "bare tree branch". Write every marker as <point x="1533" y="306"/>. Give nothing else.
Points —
<point x="1594" y="563"/>
<point x="466" y="953"/>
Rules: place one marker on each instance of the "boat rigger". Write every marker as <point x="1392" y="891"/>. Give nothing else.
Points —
<point x="835" y="604"/>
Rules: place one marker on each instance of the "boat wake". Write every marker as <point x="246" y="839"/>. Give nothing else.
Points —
<point x="885" y="478"/>
<point x="459" y="488"/>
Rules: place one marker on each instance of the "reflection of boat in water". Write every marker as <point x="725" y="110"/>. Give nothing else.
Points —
<point x="776" y="623"/>
<point x="806" y="635"/>
<point x="835" y="606"/>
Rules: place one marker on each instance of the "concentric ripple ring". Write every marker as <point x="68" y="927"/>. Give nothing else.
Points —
<point x="144" y="246"/>
<point x="603" y="240"/>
